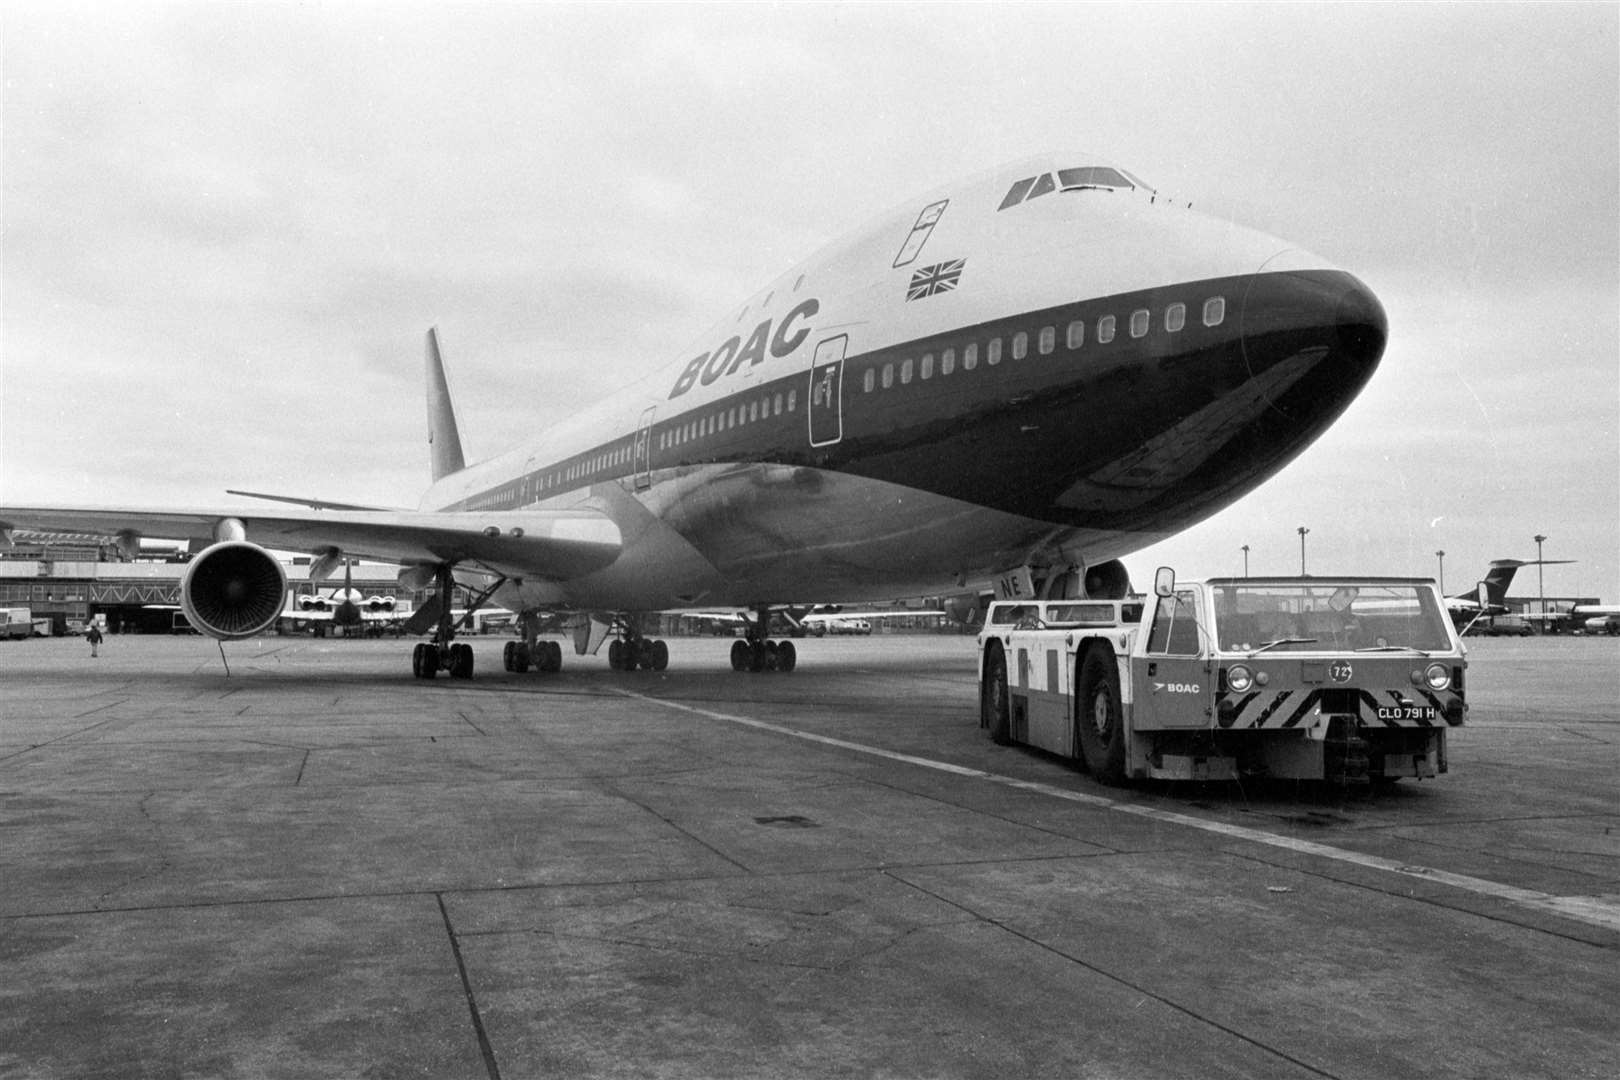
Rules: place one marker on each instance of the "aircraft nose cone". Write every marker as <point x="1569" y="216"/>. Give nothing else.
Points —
<point x="1360" y="324"/>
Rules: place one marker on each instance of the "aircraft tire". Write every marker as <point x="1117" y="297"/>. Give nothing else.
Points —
<point x="739" y="655"/>
<point x="643" y="655"/>
<point x="521" y="657"/>
<point x="425" y="660"/>
<point x="553" y="656"/>
<point x="994" y="704"/>
<point x="509" y="656"/>
<point x="660" y="655"/>
<point x="616" y="654"/>
<point x="757" y="657"/>
<point x="787" y="657"/>
<point x="1100" y="719"/>
<point x="461" y="661"/>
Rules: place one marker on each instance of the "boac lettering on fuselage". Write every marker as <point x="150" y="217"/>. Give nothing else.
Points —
<point x="733" y="352"/>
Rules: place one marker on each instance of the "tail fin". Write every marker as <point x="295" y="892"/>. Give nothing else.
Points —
<point x="1500" y="576"/>
<point x="444" y="441"/>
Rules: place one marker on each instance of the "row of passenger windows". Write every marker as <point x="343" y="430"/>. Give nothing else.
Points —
<point x="762" y="408"/>
<point x="1141" y="320"/>
<point x="779" y="403"/>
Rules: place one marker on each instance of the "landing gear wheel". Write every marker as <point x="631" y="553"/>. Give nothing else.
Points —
<point x="787" y="657"/>
<point x="757" y="656"/>
<point x="660" y="655"/>
<point x="1100" y="722"/>
<point x="425" y="660"/>
<point x="508" y="656"/>
<point x="995" y="707"/>
<point x="521" y="658"/>
<point x="551" y="656"/>
<point x="461" y="661"/>
<point x="616" y="655"/>
<point x="739" y="655"/>
<point x="643" y="653"/>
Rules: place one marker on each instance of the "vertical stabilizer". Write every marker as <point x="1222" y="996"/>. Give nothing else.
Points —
<point x="444" y="441"/>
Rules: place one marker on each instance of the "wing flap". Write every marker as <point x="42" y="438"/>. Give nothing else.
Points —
<point x="552" y="544"/>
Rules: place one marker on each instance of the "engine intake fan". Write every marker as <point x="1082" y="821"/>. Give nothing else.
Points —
<point x="233" y="590"/>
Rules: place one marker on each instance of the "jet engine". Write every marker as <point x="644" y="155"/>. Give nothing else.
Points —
<point x="233" y="590"/>
<point x="1108" y="581"/>
<point x="380" y="603"/>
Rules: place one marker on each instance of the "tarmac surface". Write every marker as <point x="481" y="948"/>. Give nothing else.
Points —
<point x="318" y="866"/>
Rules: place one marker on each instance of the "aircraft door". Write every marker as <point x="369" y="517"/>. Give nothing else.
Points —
<point x="642" y="463"/>
<point x="827" y="392"/>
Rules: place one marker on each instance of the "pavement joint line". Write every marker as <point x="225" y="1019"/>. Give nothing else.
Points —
<point x="485" y="1047"/>
<point x="1597" y="911"/>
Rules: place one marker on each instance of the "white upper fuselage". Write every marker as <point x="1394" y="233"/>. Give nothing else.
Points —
<point x="739" y="474"/>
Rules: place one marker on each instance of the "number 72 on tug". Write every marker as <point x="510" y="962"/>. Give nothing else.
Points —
<point x="1351" y="680"/>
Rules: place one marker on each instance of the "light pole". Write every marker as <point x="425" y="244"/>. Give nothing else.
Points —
<point x="1302" y="531"/>
<point x="1245" y="560"/>
<point x="1541" y="588"/>
<point x="1441" y="555"/>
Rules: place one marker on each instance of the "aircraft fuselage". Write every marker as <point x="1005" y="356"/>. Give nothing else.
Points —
<point x="1049" y="362"/>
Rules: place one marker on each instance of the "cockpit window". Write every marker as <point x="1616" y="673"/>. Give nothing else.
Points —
<point x="1089" y="178"/>
<point x="1093" y="177"/>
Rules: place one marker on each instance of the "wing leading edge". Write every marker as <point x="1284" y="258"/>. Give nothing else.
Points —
<point x="552" y="544"/>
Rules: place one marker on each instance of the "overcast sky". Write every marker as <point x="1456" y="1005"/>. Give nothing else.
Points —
<point x="227" y="226"/>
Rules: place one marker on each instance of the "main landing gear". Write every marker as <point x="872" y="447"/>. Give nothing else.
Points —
<point x="756" y="652"/>
<point x="634" y="651"/>
<point x="444" y="653"/>
<point x="541" y="656"/>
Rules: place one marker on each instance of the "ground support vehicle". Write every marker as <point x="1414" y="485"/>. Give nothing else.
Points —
<point x="1345" y="679"/>
<point x="16" y="622"/>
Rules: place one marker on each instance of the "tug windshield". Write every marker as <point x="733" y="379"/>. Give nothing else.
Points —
<point x="1328" y="616"/>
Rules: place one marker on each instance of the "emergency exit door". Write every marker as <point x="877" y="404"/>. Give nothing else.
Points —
<point x="827" y="391"/>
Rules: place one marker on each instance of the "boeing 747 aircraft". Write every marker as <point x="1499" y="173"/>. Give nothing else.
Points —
<point x="1012" y="381"/>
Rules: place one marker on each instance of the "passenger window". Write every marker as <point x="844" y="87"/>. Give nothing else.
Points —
<point x="888" y="376"/>
<point x="947" y="361"/>
<point x="1139" y="322"/>
<point x="779" y="399"/>
<point x="1175" y="317"/>
<point x="1077" y="334"/>
<point x="1215" y="311"/>
<point x="869" y="380"/>
<point x="1105" y="329"/>
<point x="1020" y="345"/>
<point x="1048" y="340"/>
<point x="753" y="411"/>
<point x="926" y="370"/>
<point x="905" y="372"/>
<point x="970" y="356"/>
<point x="992" y="352"/>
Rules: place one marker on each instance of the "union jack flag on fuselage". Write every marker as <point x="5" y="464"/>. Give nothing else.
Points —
<point x="941" y="277"/>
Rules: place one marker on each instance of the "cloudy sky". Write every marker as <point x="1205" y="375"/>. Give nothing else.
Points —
<point x="227" y="225"/>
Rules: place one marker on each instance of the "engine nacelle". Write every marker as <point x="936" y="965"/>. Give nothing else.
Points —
<point x="233" y="590"/>
<point x="380" y="603"/>
<point x="1108" y="581"/>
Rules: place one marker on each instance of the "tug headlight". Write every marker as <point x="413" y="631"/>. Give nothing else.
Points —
<point x="1239" y="678"/>
<point x="1437" y="676"/>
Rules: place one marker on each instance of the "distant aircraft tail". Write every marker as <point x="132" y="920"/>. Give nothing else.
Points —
<point x="1500" y="576"/>
<point x="444" y="440"/>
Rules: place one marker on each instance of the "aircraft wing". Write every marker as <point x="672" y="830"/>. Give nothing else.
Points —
<point x="555" y="544"/>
